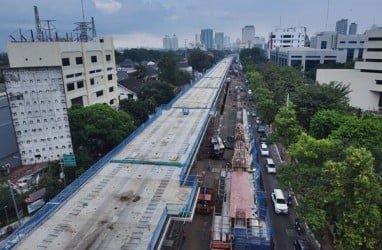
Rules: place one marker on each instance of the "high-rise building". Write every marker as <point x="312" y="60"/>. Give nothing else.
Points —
<point x="166" y="42"/>
<point x="342" y="26"/>
<point x="353" y="29"/>
<point x="248" y="36"/>
<point x="174" y="42"/>
<point x="227" y="42"/>
<point x="219" y="40"/>
<point x="206" y="38"/>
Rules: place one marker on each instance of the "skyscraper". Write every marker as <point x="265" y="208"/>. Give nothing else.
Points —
<point x="206" y="38"/>
<point x="248" y="36"/>
<point x="353" y="29"/>
<point x="342" y="26"/>
<point x="219" y="40"/>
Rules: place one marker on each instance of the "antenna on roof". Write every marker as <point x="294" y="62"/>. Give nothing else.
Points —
<point x="83" y="12"/>
<point x="327" y="16"/>
<point x="37" y="23"/>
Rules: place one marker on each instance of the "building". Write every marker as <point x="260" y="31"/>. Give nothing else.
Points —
<point x="88" y="68"/>
<point x="353" y="29"/>
<point x="219" y="40"/>
<point x="9" y="151"/>
<point x="206" y="38"/>
<point x="306" y="58"/>
<point x="365" y="80"/>
<point x="170" y="43"/>
<point x="227" y="42"/>
<point x="288" y="37"/>
<point x="259" y="42"/>
<point x="248" y="36"/>
<point x="39" y="113"/>
<point x="352" y="44"/>
<point x="342" y="26"/>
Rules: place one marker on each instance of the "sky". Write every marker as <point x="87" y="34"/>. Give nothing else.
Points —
<point x="143" y="23"/>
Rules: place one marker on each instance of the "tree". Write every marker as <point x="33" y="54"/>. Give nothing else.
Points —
<point x="141" y="71"/>
<point x="255" y="79"/>
<point x="267" y="110"/>
<point x="363" y="132"/>
<point x="161" y="92"/>
<point x="309" y="99"/>
<point x="138" y="109"/>
<point x="252" y="56"/>
<point x="169" y="72"/>
<point x="354" y="191"/>
<point x="98" y="128"/>
<point x="324" y="122"/>
<point x="200" y="60"/>
<point x="286" y="128"/>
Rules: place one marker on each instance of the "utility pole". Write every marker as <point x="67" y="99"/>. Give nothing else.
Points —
<point x="14" y="202"/>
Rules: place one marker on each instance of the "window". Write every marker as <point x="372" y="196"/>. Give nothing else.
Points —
<point x="111" y="102"/>
<point x="110" y="77"/>
<point x="98" y="70"/>
<point x="78" y="74"/>
<point x="342" y="42"/>
<point x="91" y="71"/>
<point x="77" y="101"/>
<point x="91" y="81"/>
<point x="111" y="89"/>
<point x="80" y="84"/>
<point x="352" y="42"/>
<point x="379" y="82"/>
<point x="70" y="76"/>
<point x="375" y="39"/>
<point x="70" y="86"/>
<point x="93" y="59"/>
<point x="375" y="49"/>
<point x="108" y="57"/>
<point x="323" y="44"/>
<point x="109" y="68"/>
<point x="99" y="93"/>
<point x="65" y="61"/>
<point x="79" y="60"/>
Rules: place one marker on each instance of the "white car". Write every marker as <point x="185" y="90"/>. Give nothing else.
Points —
<point x="270" y="165"/>
<point x="264" y="151"/>
<point x="279" y="202"/>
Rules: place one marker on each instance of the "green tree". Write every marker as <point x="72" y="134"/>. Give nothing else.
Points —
<point x="141" y="71"/>
<point x="363" y="132"/>
<point x="98" y="128"/>
<point x="255" y="79"/>
<point x="138" y="109"/>
<point x="200" y="60"/>
<point x="252" y="56"/>
<point x="286" y="128"/>
<point x="267" y="110"/>
<point x="167" y="67"/>
<point x="161" y="92"/>
<point x="309" y="99"/>
<point x="324" y="122"/>
<point x="354" y="196"/>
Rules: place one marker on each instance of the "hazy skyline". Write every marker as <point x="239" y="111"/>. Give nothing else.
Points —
<point x="143" y="23"/>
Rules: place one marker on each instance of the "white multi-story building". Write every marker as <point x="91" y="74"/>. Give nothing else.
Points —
<point x="170" y="43"/>
<point x="39" y="113"/>
<point x="365" y="80"/>
<point x="88" y="67"/>
<point x="352" y="44"/>
<point x="219" y="40"/>
<point x="306" y="58"/>
<point x="288" y="37"/>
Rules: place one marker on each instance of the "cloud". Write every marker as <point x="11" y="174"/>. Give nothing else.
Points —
<point x="137" y="40"/>
<point x="107" y="6"/>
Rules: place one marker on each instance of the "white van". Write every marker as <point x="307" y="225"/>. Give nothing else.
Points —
<point x="279" y="201"/>
<point x="270" y="165"/>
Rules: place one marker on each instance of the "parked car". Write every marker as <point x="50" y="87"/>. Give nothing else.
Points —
<point x="279" y="201"/>
<point x="302" y="244"/>
<point x="264" y="151"/>
<point x="270" y="165"/>
<point x="261" y="128"/>
<point x="258" y="121"/>
<point x="263" y="137"/>
<point x="253" y="113"/>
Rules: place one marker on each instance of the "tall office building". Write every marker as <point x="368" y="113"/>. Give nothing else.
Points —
<point x="227" y="42"/>
<point x="219" y="40"/>
<point x="353" y="29"/>
<point x="342" y="26"/>
<point x="248" y="36"/>
<point x="206" y="38"/>
<point x="174" y="42"/>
